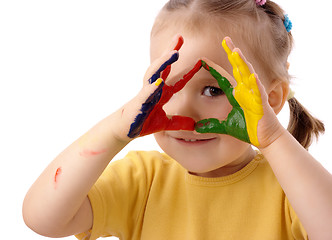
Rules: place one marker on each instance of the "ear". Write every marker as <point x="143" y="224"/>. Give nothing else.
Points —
<point x="277" y="94"/>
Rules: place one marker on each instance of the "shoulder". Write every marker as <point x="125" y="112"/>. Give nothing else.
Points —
<point x="263" y="168"/>
<point x="264" y="178"/>
<point x="146" y="159"/>
<point x="137" y="164"/>
<point x="148" y="156"/>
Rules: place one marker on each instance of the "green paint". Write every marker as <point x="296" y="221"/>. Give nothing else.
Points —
<point x="235" y="124"/>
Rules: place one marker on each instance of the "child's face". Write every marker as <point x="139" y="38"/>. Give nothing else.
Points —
<point x="204" y="154"/>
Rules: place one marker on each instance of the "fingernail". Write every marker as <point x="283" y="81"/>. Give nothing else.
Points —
<point x="158" y="82"/>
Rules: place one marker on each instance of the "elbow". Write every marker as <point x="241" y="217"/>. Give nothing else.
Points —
<point x="31" y="218"/>
<point x="38" y="221"/>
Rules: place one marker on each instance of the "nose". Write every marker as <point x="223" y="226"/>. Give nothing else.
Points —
<point x="183" y="103"/>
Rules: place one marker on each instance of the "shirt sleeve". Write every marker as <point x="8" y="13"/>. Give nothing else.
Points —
<point x="298" y="231"/>
<point x="119" y="196"/>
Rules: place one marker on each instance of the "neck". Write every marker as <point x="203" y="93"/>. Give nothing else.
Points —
<point x="231" y="168"/>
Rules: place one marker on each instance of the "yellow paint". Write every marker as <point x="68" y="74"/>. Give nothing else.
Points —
<point x="158" y="82"/>
<point x="246" y="93"/>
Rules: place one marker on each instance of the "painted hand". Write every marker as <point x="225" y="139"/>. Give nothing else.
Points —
<point x="246" y="93"/>
<point x="245" y="98"/>
<point x="152" y="118"/>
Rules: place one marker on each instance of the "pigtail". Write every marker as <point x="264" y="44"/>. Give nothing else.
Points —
<point x="302" y="125"/>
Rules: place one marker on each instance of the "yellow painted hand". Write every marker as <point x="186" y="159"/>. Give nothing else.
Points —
<point x="246" y="93"/>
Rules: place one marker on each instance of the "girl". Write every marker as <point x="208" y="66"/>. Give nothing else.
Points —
<point x="207" y="105"/>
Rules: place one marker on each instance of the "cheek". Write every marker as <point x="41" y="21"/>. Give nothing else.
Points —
<point x="163" y="142"/>
<point x="170" y="107"/>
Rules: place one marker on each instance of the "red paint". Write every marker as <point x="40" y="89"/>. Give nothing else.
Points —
<point x="158" y="120"/>
<point x="56" y="176"/>
<point x="179" y="44"/>
<point x="89" y="153"/>
<point x="167" y="70"/>
<point x="57" y="173"/>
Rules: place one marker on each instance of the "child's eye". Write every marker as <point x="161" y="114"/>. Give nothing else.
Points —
<point x="212" y="91"/>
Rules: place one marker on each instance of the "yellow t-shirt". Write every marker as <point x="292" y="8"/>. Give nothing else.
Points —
<point x="148" y="195"/>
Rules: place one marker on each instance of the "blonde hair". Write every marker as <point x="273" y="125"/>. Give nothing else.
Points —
<point x="262" y="28"/>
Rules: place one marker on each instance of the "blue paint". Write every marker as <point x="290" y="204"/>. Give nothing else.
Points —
<point x="153" y="99"/>
<point x="171" y="60"/>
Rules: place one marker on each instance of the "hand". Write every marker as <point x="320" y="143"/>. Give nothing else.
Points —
<point x="235" y="124"/>
<point x="246" y="92"/>
<point x="152" y="118"/>
<point x="242" y="121"/>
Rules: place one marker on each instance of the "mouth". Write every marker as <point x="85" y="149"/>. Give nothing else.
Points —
<point x="194" y="141"/>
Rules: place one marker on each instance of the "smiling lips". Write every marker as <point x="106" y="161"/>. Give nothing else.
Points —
<point x="194" y="140"/>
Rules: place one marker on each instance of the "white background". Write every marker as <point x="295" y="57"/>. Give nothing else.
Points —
<point x="65" y="65"/>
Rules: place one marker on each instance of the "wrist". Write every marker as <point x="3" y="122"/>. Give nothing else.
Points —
<point x="280" y="140"/>
<point x="277" y="132"/>
<point x="117" y="128"/>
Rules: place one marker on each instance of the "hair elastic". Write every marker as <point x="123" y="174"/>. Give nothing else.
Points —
<point x="288" y="23"/>
<point x="260" y="2"/>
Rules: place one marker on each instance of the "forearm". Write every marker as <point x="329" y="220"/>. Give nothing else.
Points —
<point x="59" y="192"/>
<point x="307" y="184"/>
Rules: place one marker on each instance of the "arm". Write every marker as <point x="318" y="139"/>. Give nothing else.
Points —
<point x="307" y="185"/>
<point x="57" y="204"/>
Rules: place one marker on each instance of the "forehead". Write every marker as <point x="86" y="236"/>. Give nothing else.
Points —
<point x="205" y="43"/>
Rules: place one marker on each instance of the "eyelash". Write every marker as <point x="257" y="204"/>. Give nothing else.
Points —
<point x="217" y="91"/>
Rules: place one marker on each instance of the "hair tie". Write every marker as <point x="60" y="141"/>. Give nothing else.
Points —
<point x="260" y="2"/>
<point x="288" y="23"/>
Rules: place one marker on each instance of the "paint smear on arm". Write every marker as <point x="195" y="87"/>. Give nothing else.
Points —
<point x="91" y="153"/>
<point x="56" y="177"/>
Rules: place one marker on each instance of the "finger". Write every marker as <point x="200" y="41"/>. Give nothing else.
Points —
<point x="151" y="91"/>
<point x="176" y="123"/>
<point x="235" y="49"/>
<point x="232" y="58"/>
<point x="254" y="87"/>
<point x="251" y="68"/>
<point x="242" y="66"/>
<point x="177" y="47"/>
<point x="219" y="69"/>
<point x="186" y="78"/>
<point x="179" y="43"/>
<point x="144" y="103"/>
<point x="211" y="125"/>
<point x="223" y="82"/>
<point x="229" y="53"/>
<point x="229" y="43"/>
<point x="262" y="91"/>
<point x="175" y="44"/>
<point x="237" y="75"/>
<point x="153" y="72"/>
